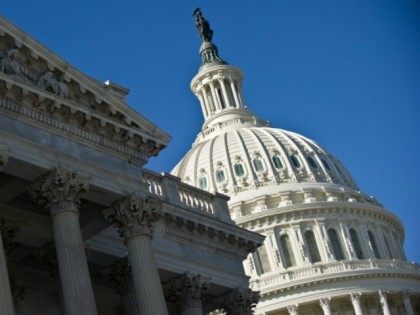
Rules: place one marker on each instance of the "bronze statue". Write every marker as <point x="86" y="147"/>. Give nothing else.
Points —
<point x="203" y="26"/>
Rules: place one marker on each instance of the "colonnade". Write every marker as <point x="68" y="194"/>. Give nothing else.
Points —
<point x="355" y="299"/>
<point x="277" y="256"/>
<point x="219" y="93"/>
<point x="61" y="193"/>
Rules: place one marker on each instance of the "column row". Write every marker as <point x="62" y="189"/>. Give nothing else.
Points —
<point x="355" y="298"/>
<point x="218" y="94"/>
<point x="297" y="245"/>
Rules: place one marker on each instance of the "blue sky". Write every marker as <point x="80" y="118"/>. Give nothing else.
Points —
<point x="344" y="73"/>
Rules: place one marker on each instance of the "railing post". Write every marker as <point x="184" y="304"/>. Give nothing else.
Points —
<point x="220" y="207"/>
<point x="170" y="187"/>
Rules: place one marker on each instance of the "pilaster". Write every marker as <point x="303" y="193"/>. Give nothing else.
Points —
<point x="407" y="302"/>
<point x="6" y="300"/>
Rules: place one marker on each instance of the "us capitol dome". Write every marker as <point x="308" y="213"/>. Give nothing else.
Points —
<point x="329" y="247"/>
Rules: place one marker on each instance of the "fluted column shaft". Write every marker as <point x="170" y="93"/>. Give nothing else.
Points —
<point x="407" y="303"/>
<point x="61" y="192"/>
<point x="145" y="275"/>
<point x="214" y="96"/>
<point x="224" y="92"/>
<point x="134" y="216"/>
<point x="384" y="303"/>
<point x="235" y="94"/>
<point x="6" y="301"/>
<point x="355" y="300"/>
<point x="72" y="264"/>
<point x="325" y="305"/>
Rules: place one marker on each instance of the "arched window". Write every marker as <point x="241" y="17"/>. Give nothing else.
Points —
<point x="286" y="246"/>
<point x="312" y="162"/>
<point x="239" y="169"/>
<point x="336" y="245"/>
<point x="258" y="165"/>
<point x="312" y="247"/>
<point x="356" y="244"/>
<point x="295" y="161"/>
<point x="220" y="176"/>
<point x="202" y="182"/>
<point x="326" y="165"/>
<point x="373" y="245"/>
<point x="277" y="162"/>
<point x="261" y="260"/>
<point x="388" y="248"/>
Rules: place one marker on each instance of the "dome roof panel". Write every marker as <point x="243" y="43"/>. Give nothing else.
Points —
<point x="250" y="157"/>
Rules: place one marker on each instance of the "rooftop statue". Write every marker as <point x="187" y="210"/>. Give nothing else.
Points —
<point x="203" y="26"/>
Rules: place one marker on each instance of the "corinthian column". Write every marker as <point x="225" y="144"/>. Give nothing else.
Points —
<point x="384" y="302"/>
<point x="238" y="302"/>
<point x="355" y="300"/>
<point x="61" y="192"/>
<point x="325" y="305"/>
<point x="133" y="216"/>
<point x="6" y="301"/>
<point x="407" y="303"/>
<point x="121" y="278"/>
<point x="293" y="309"/>
<point x="187" y="291"/>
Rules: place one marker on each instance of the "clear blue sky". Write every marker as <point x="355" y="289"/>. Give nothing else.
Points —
<point x="345" y="73"/>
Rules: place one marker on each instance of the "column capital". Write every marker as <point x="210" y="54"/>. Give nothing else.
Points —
<point x="187" y="290"/>
<point x="355" y="297"/>
<point x="239" y="301"/>
<point x="134" y="215"/>
<point x="325" y="302"/>
<point x="293" y="309"/>
<point x="59" y="190"/>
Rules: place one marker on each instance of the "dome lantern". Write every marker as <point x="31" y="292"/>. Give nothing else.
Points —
<point x="218" y="85"/>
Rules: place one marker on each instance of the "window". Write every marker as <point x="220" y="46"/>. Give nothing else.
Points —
<point x="312" y="247"/>
<point x="220" y="176"/>
<point x="286" y="246"/>
<point x="312" y="162"/>
<point x="326" y="165"/>
<point x="261" y="259"/>
<point x="388" y="248"/>
<point x="202" y="182"/>
<point x="373" y="245"/>
<point x="239" y="169"/>
<point x="277" y="162"/>
<point x="258" y="165"/>
<point x="336" y="245"/>
<point x="356" y="244"/>
<point x="222" y="101"/>
<point x="295" y="161"/>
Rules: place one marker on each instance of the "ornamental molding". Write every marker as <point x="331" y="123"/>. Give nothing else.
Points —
<point x="72" y="123"/>
<point x="25" y="58"/>
<point x="289" y="214"/>
<point x="283" y="282"/>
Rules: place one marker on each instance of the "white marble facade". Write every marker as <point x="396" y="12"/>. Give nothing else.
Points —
<point x="329" y="247"/>
<point x="85" y="229"/>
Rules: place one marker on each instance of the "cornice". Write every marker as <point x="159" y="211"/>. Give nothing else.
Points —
<point x="38" y="51"/>
<point x="297" y="212"/>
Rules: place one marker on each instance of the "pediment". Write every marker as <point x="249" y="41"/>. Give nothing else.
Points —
<point x="32" y="75"/>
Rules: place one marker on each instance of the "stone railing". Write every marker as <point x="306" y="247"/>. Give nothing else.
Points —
<point x="286" y="278"/>
<point x="170" y="188"/>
